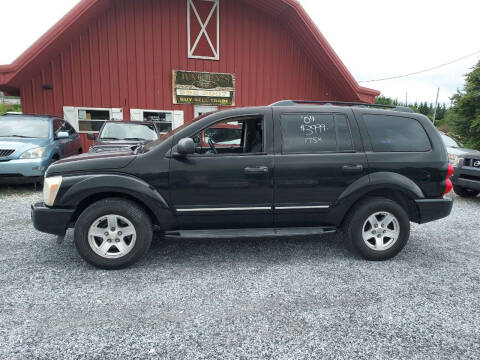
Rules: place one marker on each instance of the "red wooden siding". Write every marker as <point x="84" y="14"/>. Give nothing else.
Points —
<point x="124" y="59"/>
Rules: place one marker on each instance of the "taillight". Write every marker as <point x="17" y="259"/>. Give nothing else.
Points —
<point x="448" y="182"/>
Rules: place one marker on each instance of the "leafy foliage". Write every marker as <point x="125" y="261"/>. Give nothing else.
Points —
<point x="6" y="108"/>
<point x="466" y="108"/>
<point x="423" y="108"/>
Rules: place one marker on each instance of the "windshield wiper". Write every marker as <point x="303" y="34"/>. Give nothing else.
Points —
<point x="19" y="136"/>
<point x="136" y="139"/>
<point x="109" y="138"/>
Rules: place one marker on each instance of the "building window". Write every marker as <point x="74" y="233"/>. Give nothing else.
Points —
<point x="92" y="120"/>
<point x="163" y="119"/>
<point x="203" y="29"/>
<point x="200" y="110"/>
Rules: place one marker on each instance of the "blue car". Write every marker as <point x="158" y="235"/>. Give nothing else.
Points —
<point x="30" y="143"/>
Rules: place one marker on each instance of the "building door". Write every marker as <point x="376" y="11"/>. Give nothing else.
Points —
<point x="228" y="182"/>
<point x="201" y="110"/>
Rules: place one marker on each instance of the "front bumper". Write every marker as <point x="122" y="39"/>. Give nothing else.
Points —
<point x="51" y="220"/>
<point x="23" y="170"/>
<point x="467" y="177"/>
<point x="433" y="209"/>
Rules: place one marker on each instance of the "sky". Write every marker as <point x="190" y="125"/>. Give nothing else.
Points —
<point x="374" y="38"/>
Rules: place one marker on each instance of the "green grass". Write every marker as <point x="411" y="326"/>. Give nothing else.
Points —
<point x="6" y="108"/>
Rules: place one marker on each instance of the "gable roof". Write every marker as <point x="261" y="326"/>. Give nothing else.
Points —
<point x="289" y="12"/>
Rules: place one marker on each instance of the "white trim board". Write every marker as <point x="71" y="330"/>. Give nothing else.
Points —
<point x="203" y="31"/>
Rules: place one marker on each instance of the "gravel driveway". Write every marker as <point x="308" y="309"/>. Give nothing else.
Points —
<point x="300" y="298"/>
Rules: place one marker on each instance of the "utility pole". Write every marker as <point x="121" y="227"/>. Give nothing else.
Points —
<point x="436" y="107"/>
<point x="406" y="99"/>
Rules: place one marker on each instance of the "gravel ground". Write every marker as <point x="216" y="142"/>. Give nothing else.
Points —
<point x="300" y="298"/>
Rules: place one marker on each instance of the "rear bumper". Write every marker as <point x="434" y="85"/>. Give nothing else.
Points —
<point x="433" y="209"/>
<point x="51" y="220"/>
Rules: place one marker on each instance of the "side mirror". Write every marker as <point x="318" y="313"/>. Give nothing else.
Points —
<point x="91" y="136"/>
<point x="186" y="146"/>
<point x="63" y="135"/>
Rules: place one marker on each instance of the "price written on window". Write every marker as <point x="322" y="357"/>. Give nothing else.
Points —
<point x="312" y="130"/>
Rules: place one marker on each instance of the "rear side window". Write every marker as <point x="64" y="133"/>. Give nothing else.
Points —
<point x="396" y="134"/>
<point x="315" y="133"/>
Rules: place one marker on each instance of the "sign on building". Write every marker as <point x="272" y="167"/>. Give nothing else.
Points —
<point x="201" y="88"/>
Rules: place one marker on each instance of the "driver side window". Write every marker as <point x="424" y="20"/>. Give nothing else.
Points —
<point x="232" y="136"/>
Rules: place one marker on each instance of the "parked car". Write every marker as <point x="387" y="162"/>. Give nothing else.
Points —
<point x="456" y="151"/>
<point x="122" y="135"/>
<point x="30" y="143"/>
<point x="466" y="178"/>
<point x="299" y="169"/>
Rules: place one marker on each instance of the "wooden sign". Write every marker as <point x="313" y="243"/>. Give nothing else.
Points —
<point x="200" y="88"/>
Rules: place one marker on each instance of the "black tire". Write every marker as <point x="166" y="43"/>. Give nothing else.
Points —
<point x="358" y="215"/>
<point x="125" y="208"/>
<point x="464" y="192"/>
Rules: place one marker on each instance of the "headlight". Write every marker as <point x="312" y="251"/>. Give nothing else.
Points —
<point x="51" y="186"/>
<point x="457" y="160"/>
<point x="452" y="158"/>
<point x="36" y="153"/>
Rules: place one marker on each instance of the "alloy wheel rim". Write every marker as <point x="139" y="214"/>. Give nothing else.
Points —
<point x="112" y="236"/>
<point x="381" y="231"/>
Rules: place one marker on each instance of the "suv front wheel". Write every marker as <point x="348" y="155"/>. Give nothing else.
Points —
<point x="377" y="228"/>
<point x="113" y="233"/>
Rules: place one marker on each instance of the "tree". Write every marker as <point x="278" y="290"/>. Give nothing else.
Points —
<point x="382" y="100"/>
<point x="466" y="107"/>
<point x="423" y="108"/>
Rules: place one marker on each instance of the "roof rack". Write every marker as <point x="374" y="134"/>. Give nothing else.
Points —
<point x="341" y="103"/>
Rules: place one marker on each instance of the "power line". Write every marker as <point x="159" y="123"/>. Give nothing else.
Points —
<point x="423" y="71"/>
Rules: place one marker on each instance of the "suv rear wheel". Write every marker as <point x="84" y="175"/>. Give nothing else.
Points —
<point x="464" y="192"/>
<point x="113" y="233"/>
<point x="377" y="228"/>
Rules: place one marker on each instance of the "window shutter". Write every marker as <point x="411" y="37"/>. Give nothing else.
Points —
<point x="117" y="114"/>
<point x="69" y="114"/>
<point x="203" y="29"/>
<point x="177" y="119"/>
<point x="136" y="115"/>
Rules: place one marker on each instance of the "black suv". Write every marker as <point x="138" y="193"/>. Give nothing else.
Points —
<point x="287" y="169"/>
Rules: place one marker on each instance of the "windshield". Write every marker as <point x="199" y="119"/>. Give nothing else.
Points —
<point x="22" y="127"/>
<point x="124" y="131"/>
<point x="449" y="142"/>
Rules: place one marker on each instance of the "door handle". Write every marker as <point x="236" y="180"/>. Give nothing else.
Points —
<point x="257" y="170"/>
<point x="352" y="168"/>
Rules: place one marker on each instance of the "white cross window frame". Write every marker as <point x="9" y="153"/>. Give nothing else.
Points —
<point x="203" y="31"/>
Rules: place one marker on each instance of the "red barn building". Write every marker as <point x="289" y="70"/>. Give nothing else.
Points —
<point x="169" y="60"/>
